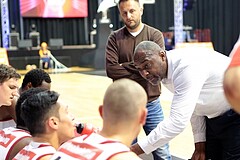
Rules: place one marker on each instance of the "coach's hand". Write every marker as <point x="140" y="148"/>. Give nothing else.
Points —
<point x="199" y="153"/>
<point x="136" y="149"/>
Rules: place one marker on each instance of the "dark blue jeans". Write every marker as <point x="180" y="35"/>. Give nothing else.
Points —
<point x="223" y="137"/>
<point x="154" y="116"/>
<point x="46" y="60"/>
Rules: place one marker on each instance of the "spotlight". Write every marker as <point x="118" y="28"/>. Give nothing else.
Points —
<point x="188" y="4"/>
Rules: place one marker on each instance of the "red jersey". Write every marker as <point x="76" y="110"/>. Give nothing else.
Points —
<point x="89" y="147"/>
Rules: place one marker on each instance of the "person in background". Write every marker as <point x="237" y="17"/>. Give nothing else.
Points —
<point x="123" y="113"/>
<point x="13" y="139"/>
<point x="195" y="77"/>
<point x="36" y="78"/>
<point x="44" y="54"/>
<point x="119" y="52"/>
<point x="33" y="78"/>
<point x="8" y="92"/>
<point x="49" y="123"/>
<point x="231" y="81"/>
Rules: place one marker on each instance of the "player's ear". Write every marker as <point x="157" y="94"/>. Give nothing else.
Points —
<point x="100" y="109"/>
<point x="53" y="122"/>
<point x="143" y="116"/>
<point x="29" y="85"/>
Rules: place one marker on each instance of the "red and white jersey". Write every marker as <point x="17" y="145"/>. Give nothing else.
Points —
<point x="7" y="123"/>
<point x="8" y="138"/>
<point x="89" y="147"/>
<point x="35" y="151"/>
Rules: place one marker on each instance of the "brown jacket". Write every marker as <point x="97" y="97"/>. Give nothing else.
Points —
<point x="119" y="56"/>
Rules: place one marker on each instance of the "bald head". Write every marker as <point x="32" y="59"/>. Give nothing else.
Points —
<point x="231" y="86"/>
<point x="148" y="47"/>
<point x="123" y="101"/>
<point x="151" y="61"/>
<point x="231" y="81"/>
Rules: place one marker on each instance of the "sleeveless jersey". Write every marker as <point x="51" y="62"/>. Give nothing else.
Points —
<point x="7" y="123"/>
<point x="35" y="151"/>
<point x="89" y="147"/>
<point x="8" y="138"/>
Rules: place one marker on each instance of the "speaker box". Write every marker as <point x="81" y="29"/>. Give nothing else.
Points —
<point x="14" y="38"/>
<point x="55" y="43"/>
<point x="35" y="37"/>
<point x="25" y="44"/>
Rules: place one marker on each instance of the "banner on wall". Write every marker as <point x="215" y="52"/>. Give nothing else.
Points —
<point x="54" y="8"/>
<point x="3" y="56"/>
<point x="5" y="23"/>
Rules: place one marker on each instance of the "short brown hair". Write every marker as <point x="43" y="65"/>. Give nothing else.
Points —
<point x="120" y="1"/>
<point x="7" y="72"/>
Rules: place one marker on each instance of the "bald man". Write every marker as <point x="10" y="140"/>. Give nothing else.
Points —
<point x="123" y="113"/>
<point x="195" y="77"/>
<point x="231" y="81"/>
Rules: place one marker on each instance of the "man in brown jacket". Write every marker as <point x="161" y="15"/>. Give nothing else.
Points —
<point x="119" y="55"/>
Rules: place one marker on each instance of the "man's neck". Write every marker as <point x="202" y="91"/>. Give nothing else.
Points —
<point x="118" y="135"/>
<point x="47" y="138"/>
<point x="139" y="27"/>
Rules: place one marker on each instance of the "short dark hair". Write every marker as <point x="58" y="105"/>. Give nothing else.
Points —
<point x="23" y="96"/>
<point x="36" y="77"/>
<point x="37" y="108"/>
<point x="150" y="48"/>
<point x="7" y="72"/>
<point x="120" y="1"/>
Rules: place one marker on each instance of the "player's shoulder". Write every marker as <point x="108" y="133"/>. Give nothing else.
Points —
<point x="125" y="155"/>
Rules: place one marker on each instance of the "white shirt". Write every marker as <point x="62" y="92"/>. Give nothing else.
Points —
<point x="195" y="77"/>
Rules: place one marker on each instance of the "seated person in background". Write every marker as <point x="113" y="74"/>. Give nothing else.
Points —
<point x="13" y="139"/>
<point x="231" y="81"/>
<point x="34" y="78"/>
<point x="123" y="113"/>
<point x="49" y="123"/>
<point x="8" y="91"/>
<point x="44" y="54"/>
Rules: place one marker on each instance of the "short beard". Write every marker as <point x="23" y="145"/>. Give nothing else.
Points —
<point x="133" y="27"/>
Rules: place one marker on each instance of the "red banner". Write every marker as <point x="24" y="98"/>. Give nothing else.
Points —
<point x="54" y="8"/>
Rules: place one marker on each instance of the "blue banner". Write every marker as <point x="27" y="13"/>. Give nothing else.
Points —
<point x="5" y="23"/>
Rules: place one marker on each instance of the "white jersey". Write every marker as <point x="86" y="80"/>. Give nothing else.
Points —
<point x="35" y="151"/>
<point x="7" y="123"/>
<point x="89" y="147"/>
<point x="8" y="138"/>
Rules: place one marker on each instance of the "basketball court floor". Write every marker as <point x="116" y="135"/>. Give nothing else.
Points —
<point x="83" y="90"/>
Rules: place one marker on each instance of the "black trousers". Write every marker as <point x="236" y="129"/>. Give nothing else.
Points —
<point x="223" y="137"/>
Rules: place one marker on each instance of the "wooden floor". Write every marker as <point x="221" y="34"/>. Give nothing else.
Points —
<point x="84" y="93"/>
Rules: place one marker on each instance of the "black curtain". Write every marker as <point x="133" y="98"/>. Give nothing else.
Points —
<point x="74" y="31"/>
<point x="220" y="16"/>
